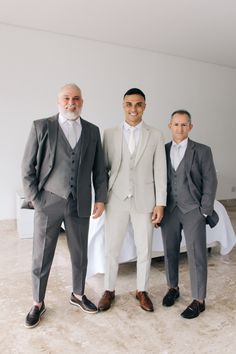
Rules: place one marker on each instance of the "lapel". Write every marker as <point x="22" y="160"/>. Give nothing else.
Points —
<point x="143" y="143"/>
<point x="118" y="141"/>
<point x="189" y="154"/>
<point x="168" y="147"/>
<point x="85" y="138"/>
<point x="53" y="126"/>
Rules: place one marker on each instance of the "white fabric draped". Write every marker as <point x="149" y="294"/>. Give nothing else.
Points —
<point x="222" y="233"/>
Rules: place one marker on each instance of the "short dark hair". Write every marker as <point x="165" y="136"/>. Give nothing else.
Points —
<point x="182" y="111"/>
<point x="134" y="91"/>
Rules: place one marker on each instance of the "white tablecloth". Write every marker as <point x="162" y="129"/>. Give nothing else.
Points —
<point x="223" y="233"/>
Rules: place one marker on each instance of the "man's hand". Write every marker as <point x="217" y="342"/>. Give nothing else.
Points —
<point x="157" y="215"/>
<point x="98" y="210"/>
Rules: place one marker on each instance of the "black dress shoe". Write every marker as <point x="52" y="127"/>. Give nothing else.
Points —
<point x="85" y="304"/>
<point x="33" y="317"/>
<point x="170" y="297"/>
<point x="193" y="310"/>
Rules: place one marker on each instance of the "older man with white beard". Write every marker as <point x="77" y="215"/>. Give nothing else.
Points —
<point x="61" y="155"/>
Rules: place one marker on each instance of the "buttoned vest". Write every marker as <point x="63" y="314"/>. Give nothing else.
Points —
<point x="123" y="186"/>
<point x="62" y="180"/>
<point x="179" y="194"/>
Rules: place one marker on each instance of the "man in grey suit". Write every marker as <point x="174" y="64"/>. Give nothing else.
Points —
<point x="63" y="152"/>
<point x="136" y="167"/>
<point x="191" y="190"/>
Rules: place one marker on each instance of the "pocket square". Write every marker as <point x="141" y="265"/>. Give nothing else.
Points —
<point x="213" y="219"/>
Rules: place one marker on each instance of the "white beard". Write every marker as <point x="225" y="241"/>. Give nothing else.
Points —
<point x="70" y="115"/>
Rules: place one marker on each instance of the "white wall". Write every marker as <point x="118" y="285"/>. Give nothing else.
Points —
<point x="35" y="64"/>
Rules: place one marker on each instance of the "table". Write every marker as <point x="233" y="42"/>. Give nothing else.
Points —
<point x="222" y="234"/>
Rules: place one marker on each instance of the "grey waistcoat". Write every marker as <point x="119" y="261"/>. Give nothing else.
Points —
<point x="62" y="180"/>
<point x="179" y="194"/>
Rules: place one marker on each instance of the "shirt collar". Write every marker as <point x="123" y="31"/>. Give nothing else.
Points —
<point x="183" y="143"/>
<point x="62" y="120"/>
<point x="129" y="127"/>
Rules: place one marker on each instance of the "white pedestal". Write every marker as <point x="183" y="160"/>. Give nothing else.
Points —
<point x="24" y="218"/>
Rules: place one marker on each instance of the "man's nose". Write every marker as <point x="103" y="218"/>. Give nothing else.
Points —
<point x="71" y="101"/>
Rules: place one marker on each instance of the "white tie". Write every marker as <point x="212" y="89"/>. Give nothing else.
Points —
<point x="176" y="156"/>
<point x="72" y="137"/>
<point x="132" y="142"/>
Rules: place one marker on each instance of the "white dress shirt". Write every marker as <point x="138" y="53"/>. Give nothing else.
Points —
<point x="65" y="126"/>
<point x="137" y="132"/>
<point x="176" y="158"/>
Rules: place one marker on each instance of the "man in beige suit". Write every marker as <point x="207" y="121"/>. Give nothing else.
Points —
<point x="136" y="167"/>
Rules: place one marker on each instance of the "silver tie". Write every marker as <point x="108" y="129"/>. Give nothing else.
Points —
<point x="176" y="156"/>
<point x="72" y="136"/>
<point x="132" y="142"/>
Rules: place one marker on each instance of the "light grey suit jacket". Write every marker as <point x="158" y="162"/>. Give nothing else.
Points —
<point x="38" y="162"/>
<point x="201" y="176"/>
<point x="149" y="168"/>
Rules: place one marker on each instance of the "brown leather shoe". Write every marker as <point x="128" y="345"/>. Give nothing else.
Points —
<point x="145" y="301"/>
<point x="106" y="300"/>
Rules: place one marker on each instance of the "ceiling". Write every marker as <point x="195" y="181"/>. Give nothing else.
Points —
<point x="202" y="30"/>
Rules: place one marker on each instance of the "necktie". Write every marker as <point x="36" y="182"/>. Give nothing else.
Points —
<point x="72" y="136"/>
<point x="132" y="142"/>
<point x="176" y="156"/>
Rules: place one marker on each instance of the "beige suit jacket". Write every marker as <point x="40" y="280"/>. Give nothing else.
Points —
<point x="149" y="170"/>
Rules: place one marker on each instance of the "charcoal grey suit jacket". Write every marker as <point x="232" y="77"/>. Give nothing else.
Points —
<point x="38" y="162"/>
<point x="201" y="176"/>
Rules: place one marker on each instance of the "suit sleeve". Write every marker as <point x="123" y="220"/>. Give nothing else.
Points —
<point x="160" y="174"/>
<point x="28" y="167"/>
<point x="105" y="151"/>
<point x="209" y="182"/>
<point x="99" y="173"/>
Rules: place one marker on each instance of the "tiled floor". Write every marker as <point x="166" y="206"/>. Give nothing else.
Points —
<point x="126" y="328"/>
